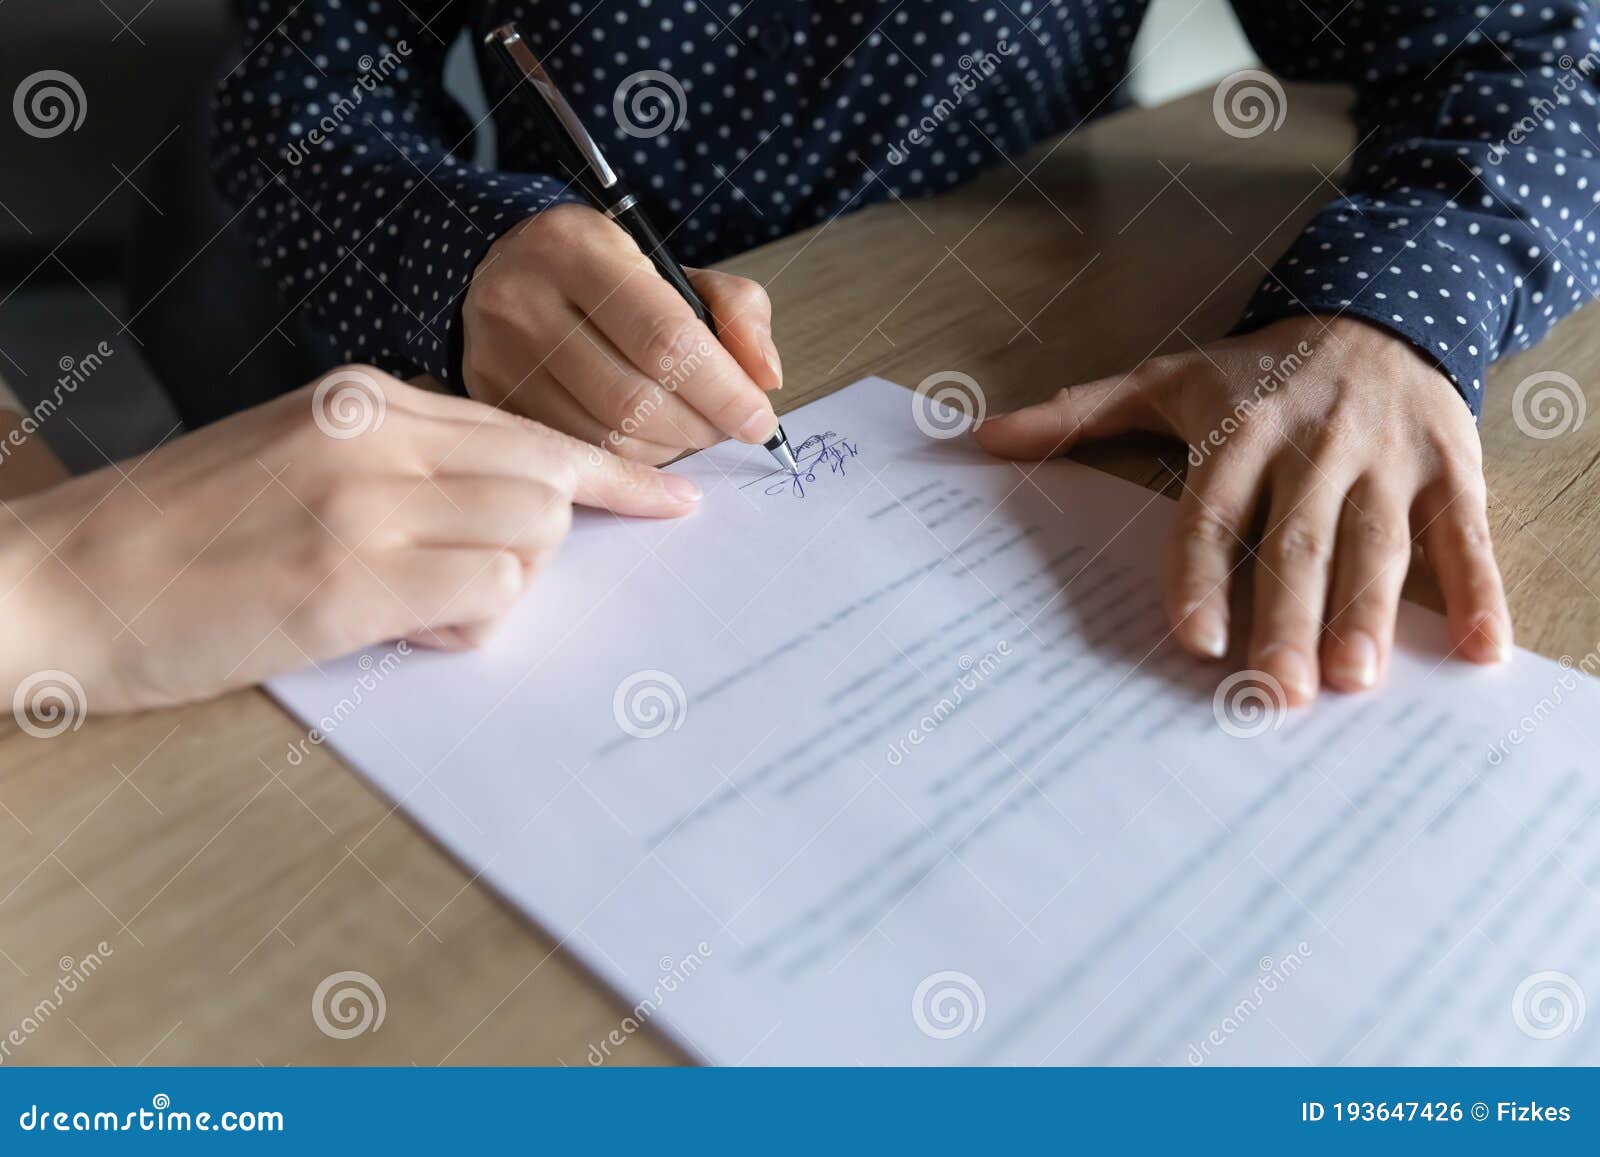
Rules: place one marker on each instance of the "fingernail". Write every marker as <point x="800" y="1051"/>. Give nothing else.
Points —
<point x="1504" y="650"/>
<point x="758" y="427"/>
<point x="1207" y="631"/>
<point x="1355" y="660"/>
<point x="1290" y="668"/>
<point x="1489" y="642"/>
<point x="680" y="488"/>
<point x="770" y="352"/>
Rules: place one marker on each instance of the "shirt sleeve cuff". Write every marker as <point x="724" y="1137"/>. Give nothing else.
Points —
<point x="460" y="215"/>
<point x="1433" y="292"/>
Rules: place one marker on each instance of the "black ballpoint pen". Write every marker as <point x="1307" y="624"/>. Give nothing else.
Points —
<point x="586" y="166"/>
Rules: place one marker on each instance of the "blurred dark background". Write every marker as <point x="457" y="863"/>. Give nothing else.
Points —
<point x="110" y="231"/>
<point x="67" y="201"/>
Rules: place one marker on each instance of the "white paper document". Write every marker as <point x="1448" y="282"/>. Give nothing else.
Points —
<point x="895" y="762"/>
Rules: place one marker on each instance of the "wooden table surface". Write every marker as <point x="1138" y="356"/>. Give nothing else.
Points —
<point x="226" y="882"/>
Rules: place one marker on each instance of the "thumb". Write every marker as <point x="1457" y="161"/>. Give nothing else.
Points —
<point x="1084" y="412"/>
<point x="743" y="314"/>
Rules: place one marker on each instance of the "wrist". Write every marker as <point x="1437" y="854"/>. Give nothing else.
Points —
<point x="24" y="602"/>
<point x="26" y="463"/>
<point x="1384" y="346"/>
<point x="53" y="621"/>
<point x="1361" y="336"/>
<point x="1362" y="342"/>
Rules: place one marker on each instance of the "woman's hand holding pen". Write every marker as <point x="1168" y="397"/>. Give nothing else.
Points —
<point x="567" y="322"/>
<point x="351" y="512"/>
<point x="1361" y="447"/>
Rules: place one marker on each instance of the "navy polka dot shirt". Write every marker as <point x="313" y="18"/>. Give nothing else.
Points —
<point x="1464" y="228"/>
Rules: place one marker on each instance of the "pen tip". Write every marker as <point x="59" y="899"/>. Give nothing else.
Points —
<point x="778" y="446"/>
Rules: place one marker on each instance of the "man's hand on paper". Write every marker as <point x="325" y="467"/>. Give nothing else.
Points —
<point x="568" y="323"/>
<point x="1339" y="442"/>
<point x="347" y="513"/>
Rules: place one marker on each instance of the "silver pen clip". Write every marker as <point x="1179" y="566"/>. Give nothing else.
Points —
<point x="510" y="41"/>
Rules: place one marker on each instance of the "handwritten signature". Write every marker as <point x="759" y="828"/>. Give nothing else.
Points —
<point x="819" y="454"/>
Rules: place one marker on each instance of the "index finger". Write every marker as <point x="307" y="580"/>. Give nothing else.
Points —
<point x="605" y="480"/>
<point x="655" y="329"/>
<point x="590" y="475"/>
